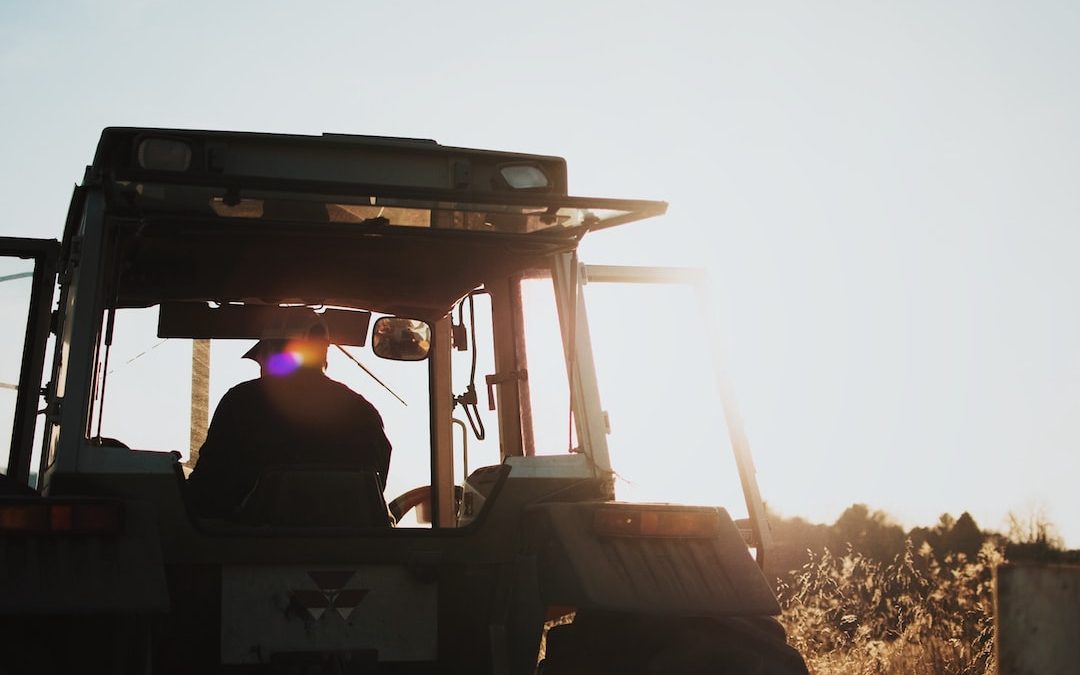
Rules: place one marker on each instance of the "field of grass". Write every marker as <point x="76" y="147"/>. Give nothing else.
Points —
<point x="920" y="614"/>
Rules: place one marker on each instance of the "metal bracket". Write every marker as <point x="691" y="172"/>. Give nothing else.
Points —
<point x="492" y="380"/>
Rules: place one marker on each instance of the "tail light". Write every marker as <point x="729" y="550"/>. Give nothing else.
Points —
<point x="46" y="516"/>
<point x="628" y="522"/>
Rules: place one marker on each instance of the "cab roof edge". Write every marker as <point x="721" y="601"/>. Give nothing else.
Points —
<point x="369" y="138"/>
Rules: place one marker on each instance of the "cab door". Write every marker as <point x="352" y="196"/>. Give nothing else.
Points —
<point x="27" y="284"/>
<point x="668" y="399"/>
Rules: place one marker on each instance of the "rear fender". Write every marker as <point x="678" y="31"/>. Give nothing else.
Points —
<point x="708" y="573"/>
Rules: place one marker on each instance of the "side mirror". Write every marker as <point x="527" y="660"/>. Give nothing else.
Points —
<point x="401" y="339"/>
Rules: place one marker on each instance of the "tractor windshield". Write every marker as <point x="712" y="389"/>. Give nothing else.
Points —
<point x="159" y="391"/>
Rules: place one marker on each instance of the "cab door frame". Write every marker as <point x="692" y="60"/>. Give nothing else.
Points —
<point x="45" y="254"/>
<point x="759" y="535"/>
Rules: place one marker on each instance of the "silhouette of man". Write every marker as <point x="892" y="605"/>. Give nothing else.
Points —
<point x="293" y="414"/>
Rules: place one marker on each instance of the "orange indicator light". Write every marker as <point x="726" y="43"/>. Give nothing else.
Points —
<point x="620" y="522"/>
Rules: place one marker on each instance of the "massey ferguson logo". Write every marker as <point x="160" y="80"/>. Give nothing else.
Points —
<point x="331" y="594"/>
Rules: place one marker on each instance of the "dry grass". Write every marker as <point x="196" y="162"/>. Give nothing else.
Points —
<point x="918" y="615"/>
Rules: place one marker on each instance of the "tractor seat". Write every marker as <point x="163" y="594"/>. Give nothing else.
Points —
<point x="317" y="496"/>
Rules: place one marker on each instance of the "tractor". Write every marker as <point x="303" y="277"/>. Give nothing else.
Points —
<point x="497" y="543"/>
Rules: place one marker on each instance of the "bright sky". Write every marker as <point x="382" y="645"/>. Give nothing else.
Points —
<point x="884" y="193"/>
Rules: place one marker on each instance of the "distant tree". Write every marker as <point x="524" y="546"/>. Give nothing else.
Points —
<point x="929" y="536"/>
<point x="950" y="535"/>
<point x="872" y="533"/>
<point x="964" y="536"/>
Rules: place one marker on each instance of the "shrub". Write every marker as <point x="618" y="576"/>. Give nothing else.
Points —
<point x="915" y="615"/>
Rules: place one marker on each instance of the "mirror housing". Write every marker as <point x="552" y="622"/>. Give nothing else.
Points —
<point x="401" y="339"/>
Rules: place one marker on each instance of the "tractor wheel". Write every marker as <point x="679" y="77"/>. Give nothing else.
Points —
<point x="606" y="643"/>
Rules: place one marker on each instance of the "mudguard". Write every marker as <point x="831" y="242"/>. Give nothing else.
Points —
<point x="707" y="574"/>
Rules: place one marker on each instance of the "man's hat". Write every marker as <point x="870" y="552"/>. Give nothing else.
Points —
<point x="276" y="339"/>
<point x="265" y="348"/>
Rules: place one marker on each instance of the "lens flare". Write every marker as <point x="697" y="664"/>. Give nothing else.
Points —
<point x="283" y="363"/>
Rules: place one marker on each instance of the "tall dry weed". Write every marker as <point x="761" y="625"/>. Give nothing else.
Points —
<point x="917" y="615"/>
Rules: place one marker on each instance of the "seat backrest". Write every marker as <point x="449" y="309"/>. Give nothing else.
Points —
<point x="316" y="496"/>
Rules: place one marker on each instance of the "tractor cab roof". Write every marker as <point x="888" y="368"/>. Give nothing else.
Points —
<point x="359" y="180"/>
<point x="271" y="218"/>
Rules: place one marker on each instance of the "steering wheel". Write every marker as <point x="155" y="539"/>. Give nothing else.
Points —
<point x="418" y="496"/>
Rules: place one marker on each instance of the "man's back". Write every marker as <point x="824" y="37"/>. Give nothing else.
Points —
<point x="302" y="419"/>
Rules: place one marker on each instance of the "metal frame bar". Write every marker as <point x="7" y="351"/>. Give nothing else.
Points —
<point x="637" y="209"/>
<point x="581" y="369"/>
<point x="507" y="390"/>
<point x="81" y="335"/>
<point x="521" y="353"/>
<point x="442" y="429"/>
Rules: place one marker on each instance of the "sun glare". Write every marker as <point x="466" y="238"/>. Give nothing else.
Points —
<point x="284" y="363"/>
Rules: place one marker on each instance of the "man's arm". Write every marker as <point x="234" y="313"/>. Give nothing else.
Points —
<point x="216" y="484"/>
<point x="383" y="455"/>
<point x="375" y="445"/>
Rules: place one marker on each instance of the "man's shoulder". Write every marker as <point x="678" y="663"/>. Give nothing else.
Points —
<point x="245" y="387"/>
<point x="243" y="391"/>
<point x="345" y="392"/>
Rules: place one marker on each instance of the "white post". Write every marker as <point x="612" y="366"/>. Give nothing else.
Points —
<point x="200" y="397"/>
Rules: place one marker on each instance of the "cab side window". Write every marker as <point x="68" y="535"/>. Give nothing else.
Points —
<point x="15" y="287"/>
<point x="27" y="278"/>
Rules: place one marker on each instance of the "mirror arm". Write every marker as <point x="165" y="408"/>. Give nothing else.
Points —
<point x="371" y="374"/>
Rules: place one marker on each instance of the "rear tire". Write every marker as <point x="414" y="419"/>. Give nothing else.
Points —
<point x="610" y="644"/>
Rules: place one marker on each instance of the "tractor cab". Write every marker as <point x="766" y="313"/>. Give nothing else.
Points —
<point x="447" y="285"/>
<point x="222" y="238"/>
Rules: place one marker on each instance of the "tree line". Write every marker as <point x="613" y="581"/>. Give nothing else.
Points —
<point x="874" y="534"/>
